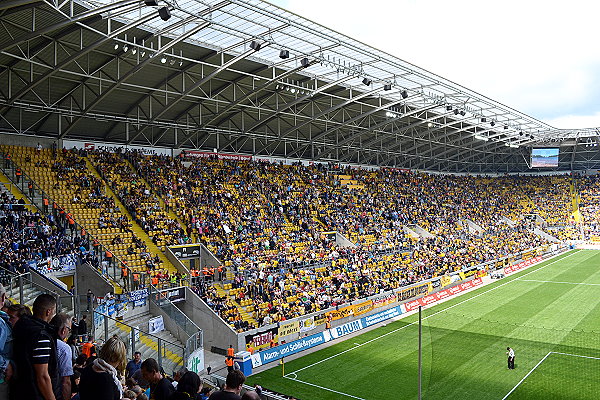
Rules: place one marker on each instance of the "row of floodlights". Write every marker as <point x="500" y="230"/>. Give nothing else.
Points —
<point x="134" y="50"/>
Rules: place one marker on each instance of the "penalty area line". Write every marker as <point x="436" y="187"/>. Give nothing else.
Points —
<point x="322" y="387"/>
<point x="437" y="312"/>
<point x="525" y="377"/>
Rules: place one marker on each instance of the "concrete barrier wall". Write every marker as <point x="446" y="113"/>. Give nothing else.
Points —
<point x="217" y="332"/>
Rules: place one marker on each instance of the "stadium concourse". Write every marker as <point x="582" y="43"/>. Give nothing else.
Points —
<point x="207" y="185"/>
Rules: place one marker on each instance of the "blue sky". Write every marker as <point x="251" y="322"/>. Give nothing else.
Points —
<point x="540" y="57"/>
<point x="545" y="152"/>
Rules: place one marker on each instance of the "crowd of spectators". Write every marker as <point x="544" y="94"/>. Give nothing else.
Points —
<point x="267" y="221"/>
<point x="29" y="236"/>
<point x="38" y="363"/>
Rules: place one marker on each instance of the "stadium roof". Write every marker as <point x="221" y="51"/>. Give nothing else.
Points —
<point x="210" y="74"/>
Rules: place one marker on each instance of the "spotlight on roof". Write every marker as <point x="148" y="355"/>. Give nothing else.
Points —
<point x="505" y="127"/>
<point x="142" y="53"/>
<point x="448" y="108"/>
<point x="254" y="45"/>
<point x="305" y="62"/>
<point x="366" y="81"/>
<point x="164" y="13"/>
<point x="283" y="54"/>
<point x="151" y="3"/>
<point x="125" y="48"/>
<point x="492" y="123"/>
<point x="163" y="60"/>
<point x="404" y="94"/>
<point x="387" y="87"/>
<point x="429" y="124"/>
<point x="483" y="119"/>
<point x="521" y="133"/>
<point x="133" y="51"/>
<point x="463" y="113"/>
<point x="456" y="112"/>
<point x="116" y="46"/>
<point x="172" y="62"/>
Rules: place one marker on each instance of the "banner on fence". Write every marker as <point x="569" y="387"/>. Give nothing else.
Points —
<point x="288" y="328"/>
<point x="138" y="297"/>
<point x="156" y="324"/>
<point x="341" y="313"/>
<point x="261" y="340"/>
<point x="363" y="308"/>
<point x="307" y="324"/>
<point x="414" y="291"/>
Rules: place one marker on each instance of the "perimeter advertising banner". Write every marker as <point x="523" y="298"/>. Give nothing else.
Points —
<point x="521" y="265"/>
<point x="435" y="297"/>
<point x="276" y="353"/>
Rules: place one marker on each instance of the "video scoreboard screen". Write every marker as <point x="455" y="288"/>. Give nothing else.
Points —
<point x="544" y="158"/>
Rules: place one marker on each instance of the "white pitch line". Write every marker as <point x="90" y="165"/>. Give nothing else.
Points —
<point x="430" y="315"/>
<point x="576" y="355"/>
<point x="542" y="360"/>
<point x="324" y="388"/>
<point x="525" y="377"/>
<point x="566" y="283"/>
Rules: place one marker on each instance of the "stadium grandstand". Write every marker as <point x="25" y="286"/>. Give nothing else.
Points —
<point x="219" y="185"/>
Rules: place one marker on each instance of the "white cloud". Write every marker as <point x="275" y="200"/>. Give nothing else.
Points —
<point x="536" y="56"/>
<point x="580" y="121"/>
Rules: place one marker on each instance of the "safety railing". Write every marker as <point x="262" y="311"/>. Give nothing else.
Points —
<point x="168" y="354"/>
<point x="171" y="310"/>
<point x="22" y="289"/>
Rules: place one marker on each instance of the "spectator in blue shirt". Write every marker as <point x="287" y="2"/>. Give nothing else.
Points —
<point x="133" y="365"/>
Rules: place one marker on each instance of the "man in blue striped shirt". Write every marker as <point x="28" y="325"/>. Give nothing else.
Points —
<point x="35" y="354"/>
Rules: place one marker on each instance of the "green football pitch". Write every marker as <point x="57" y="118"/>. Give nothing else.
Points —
<point x="549" y="314"/>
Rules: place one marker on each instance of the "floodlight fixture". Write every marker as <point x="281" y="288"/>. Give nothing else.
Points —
<point x="305" y="62"/>
<point x="284" y="54"/>
<point x="463" y="113"/>
<point x="255" y="45"/>
<point x="404" y="94"/>
<point x="151" y="3"/>
<point x="448" y="108"/>
<point x="164" y="13"/>
<point x="163" y="59"/>
<point x="367" y="82"/>
<point x="387" y="87"/>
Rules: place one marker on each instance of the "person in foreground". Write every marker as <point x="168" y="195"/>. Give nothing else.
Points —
<point x="160" y="387"/>
<point x="35" y="354"/>
<point x="101" y="380"/>
<point x="233" y="387"/>
<point x="188" y="387"/>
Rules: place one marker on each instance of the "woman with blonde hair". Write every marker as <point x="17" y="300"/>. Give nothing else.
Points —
<point x="101" y="380"/>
